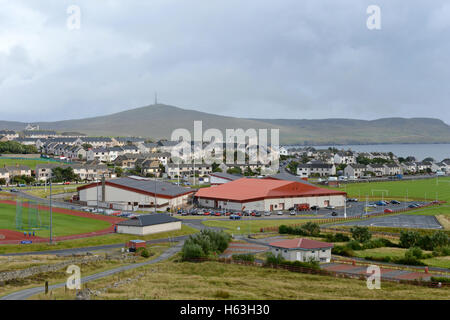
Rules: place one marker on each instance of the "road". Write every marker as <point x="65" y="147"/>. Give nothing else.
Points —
<point x="27" y="293"/>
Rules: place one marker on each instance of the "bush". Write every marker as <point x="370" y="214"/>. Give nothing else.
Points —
<point x="192" y="251"/>
<point x="204" y="243"/>
<point x="440" y="279"/>
<point x="283" y="229"/>
<point x="338" y="237"/>
<point x="222" y="294"/>
<point x="441" y="251"/>
<point x="144" y="253"/>
<point x="243" y="257"/>
<point x="440" y="239"/>
<point x="311" y="228"/>
<point x="273" y="259"/>
<point x="354" y="245"/>
<point x="342" y="251"/>
<point x="414" y="252"/>
<point x="409" y="239"/>
<point x="361" y="234"/>
<point x="378" y="243"/>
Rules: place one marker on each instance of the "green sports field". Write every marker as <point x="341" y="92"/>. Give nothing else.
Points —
<point x="425" y="189"/>
<point x="63" y="224"/>
<point x="24" y="162"/>
<point x="428" y="189"/>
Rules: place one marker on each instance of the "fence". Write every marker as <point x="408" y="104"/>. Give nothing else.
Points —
<point x="340" y="274"/>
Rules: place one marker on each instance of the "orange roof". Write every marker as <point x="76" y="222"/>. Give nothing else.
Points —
<point x="301" y="243"/>
<point x="250" y="189"/>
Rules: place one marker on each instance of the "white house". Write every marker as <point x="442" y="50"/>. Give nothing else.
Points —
<point x="301" y="249"/>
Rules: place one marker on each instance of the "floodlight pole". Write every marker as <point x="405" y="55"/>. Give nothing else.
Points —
<point x="51" y="214"/>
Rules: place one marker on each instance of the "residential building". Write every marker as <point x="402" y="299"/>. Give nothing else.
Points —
<point x="301" y="249"/>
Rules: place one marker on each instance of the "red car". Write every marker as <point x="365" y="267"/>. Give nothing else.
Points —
<point x="217" y="214"/>
<point x="388" y="210"/>
<point x="238" y="214"/>
<point x="228" y="214"/>
<point x="67" y="182"/>
<point x="206" y="213"/>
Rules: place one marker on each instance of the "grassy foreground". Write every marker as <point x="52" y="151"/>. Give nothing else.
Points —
<point x="213" y="280"/>
<point x="93" y="241"/>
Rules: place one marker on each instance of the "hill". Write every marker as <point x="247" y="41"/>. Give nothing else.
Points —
<point x="158" y="121"/>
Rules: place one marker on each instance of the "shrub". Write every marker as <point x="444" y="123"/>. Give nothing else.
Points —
<point x="414" y="252"/>
<point x="440" y="279"/>
<point x="361" y="234"/>
<point x="273" y="259"/>
<point x="409" y="239"/>
<point x="378" y="243"/>
<point x="338" y="237"/>
<point x="209" y="241"/>
<point x="441" y="251"/>
<point x="440" y="239"/>
<point x="283" y="229"/>
<point x="243" y="257"/>
<point x="342" y="251"/>
<point x="222" y="294"/>
<point x="144" y="253"/>
<point x="192" y="251"/>
<point x="311" y="228"/>
<point x="354" y="245"/>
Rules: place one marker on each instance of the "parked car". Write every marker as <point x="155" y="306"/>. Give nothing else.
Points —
<point x="381" y="203"/>
<point x="258" y="214"/>
<point x="352" y="200"/>
<point x="334" y="213"/>
<point x="14" y="190"/>
<point x="267" y="213"/>
<point x="293" y="213"/>
<point x="371" y="205"/>
<point x="314" y="208"/>
<point x="330" y="207"/>
<point x="395" y="202"/>
<point x="388" y="210"/>
<point x="280" y="213"/>
<point x="235" y="217"/>
<point x="67" y="182"/>
<point x="218" y="214"/>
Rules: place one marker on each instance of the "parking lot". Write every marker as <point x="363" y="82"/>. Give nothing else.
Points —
<point x="399" y="221"/>
<point x="354" y="209"/>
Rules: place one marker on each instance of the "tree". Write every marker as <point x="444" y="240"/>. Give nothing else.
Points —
<point x="439" y="239"/>
<point x="118" y="171"/>
<point x="361" y="234"/>
<point x="409" y="239"/>
<point x="86" y="146"/>
<point x="234" y="170"/>
<point x="311" y="228"/>
<point x="2" y="181"/>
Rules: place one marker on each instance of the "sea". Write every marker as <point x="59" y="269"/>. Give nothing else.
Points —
<point x="438" y="152"/>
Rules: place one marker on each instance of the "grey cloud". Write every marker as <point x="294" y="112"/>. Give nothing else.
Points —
<point x="267" y="59"/>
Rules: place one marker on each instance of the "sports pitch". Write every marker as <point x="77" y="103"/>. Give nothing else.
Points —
<point x="63" y="224"/>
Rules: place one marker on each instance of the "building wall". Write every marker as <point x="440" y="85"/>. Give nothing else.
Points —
<point x="117" y="195"/>
<point x="142" y="231"/>
<point x="278" y="203"/>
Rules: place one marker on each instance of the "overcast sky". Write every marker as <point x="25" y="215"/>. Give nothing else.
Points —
<point x="252" y="58"/>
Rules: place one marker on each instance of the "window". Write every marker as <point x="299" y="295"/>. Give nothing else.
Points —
<point x="312" y="251"/>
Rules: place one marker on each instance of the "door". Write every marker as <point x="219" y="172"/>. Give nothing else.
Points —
<point x="271" y="207"/>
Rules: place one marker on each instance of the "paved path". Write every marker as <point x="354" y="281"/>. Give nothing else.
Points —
<point x="25" y="294"/>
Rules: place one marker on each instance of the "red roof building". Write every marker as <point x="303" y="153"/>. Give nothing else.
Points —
<point x="267" y="194"/>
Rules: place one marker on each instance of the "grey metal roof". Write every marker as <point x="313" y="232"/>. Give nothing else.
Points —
<point x="151" y="186"/>
<point x="288" y="177"/>
<point x="148" y="220"/>
<point x="226" y="175"/>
